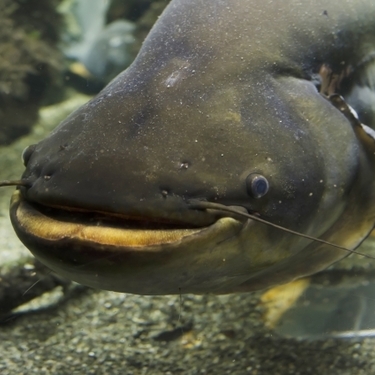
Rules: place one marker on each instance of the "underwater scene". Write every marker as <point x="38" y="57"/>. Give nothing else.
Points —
<point x="187" y="187"/>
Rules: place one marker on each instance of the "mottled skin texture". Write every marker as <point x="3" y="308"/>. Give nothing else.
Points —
<point x="220" y="89"/>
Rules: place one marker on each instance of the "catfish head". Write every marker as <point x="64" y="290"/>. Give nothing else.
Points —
<point x="157" y="185"/>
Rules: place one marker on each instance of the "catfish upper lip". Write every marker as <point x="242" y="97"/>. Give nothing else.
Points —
<point x="173" y="211"/>
<point x="183" y="217"/>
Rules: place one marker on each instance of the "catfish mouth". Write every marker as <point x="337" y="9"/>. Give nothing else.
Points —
<point x="125" y="254"/>
<point x="109" y="229"/>
<point x="107" y="219"/>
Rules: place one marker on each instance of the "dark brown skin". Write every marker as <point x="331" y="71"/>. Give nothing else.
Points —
<point x="221" y="91"/>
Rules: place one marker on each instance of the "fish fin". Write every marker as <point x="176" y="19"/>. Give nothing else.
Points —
<point x="339" y="102"/>
<point x="361" y="94"/>
<point x="369" y="131"/>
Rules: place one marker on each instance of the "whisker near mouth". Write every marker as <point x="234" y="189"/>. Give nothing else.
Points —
<point x="15" y="183"/>
<point x="204" y="205"/>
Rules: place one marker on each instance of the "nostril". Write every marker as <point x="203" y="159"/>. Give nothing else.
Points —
<point x="26" y="154"/>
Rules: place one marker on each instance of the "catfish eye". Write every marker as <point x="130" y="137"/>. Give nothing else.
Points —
<point x="26" y="154"/>
<point x="257" y="185"/>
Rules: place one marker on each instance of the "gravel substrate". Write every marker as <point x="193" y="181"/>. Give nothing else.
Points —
<point x="96" y="332"/>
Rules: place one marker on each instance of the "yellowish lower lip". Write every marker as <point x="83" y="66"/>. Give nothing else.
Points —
<point x="39" y="225"/>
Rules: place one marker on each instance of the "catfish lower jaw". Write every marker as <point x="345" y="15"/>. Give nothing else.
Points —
<point x="142" y="261"/>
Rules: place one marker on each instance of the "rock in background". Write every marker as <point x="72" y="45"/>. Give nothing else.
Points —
<point x="47" y="46"/>
<point x="30" y="62"/>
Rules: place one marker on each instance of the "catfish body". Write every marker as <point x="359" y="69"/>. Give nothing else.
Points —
<point x="222" y="95"/>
